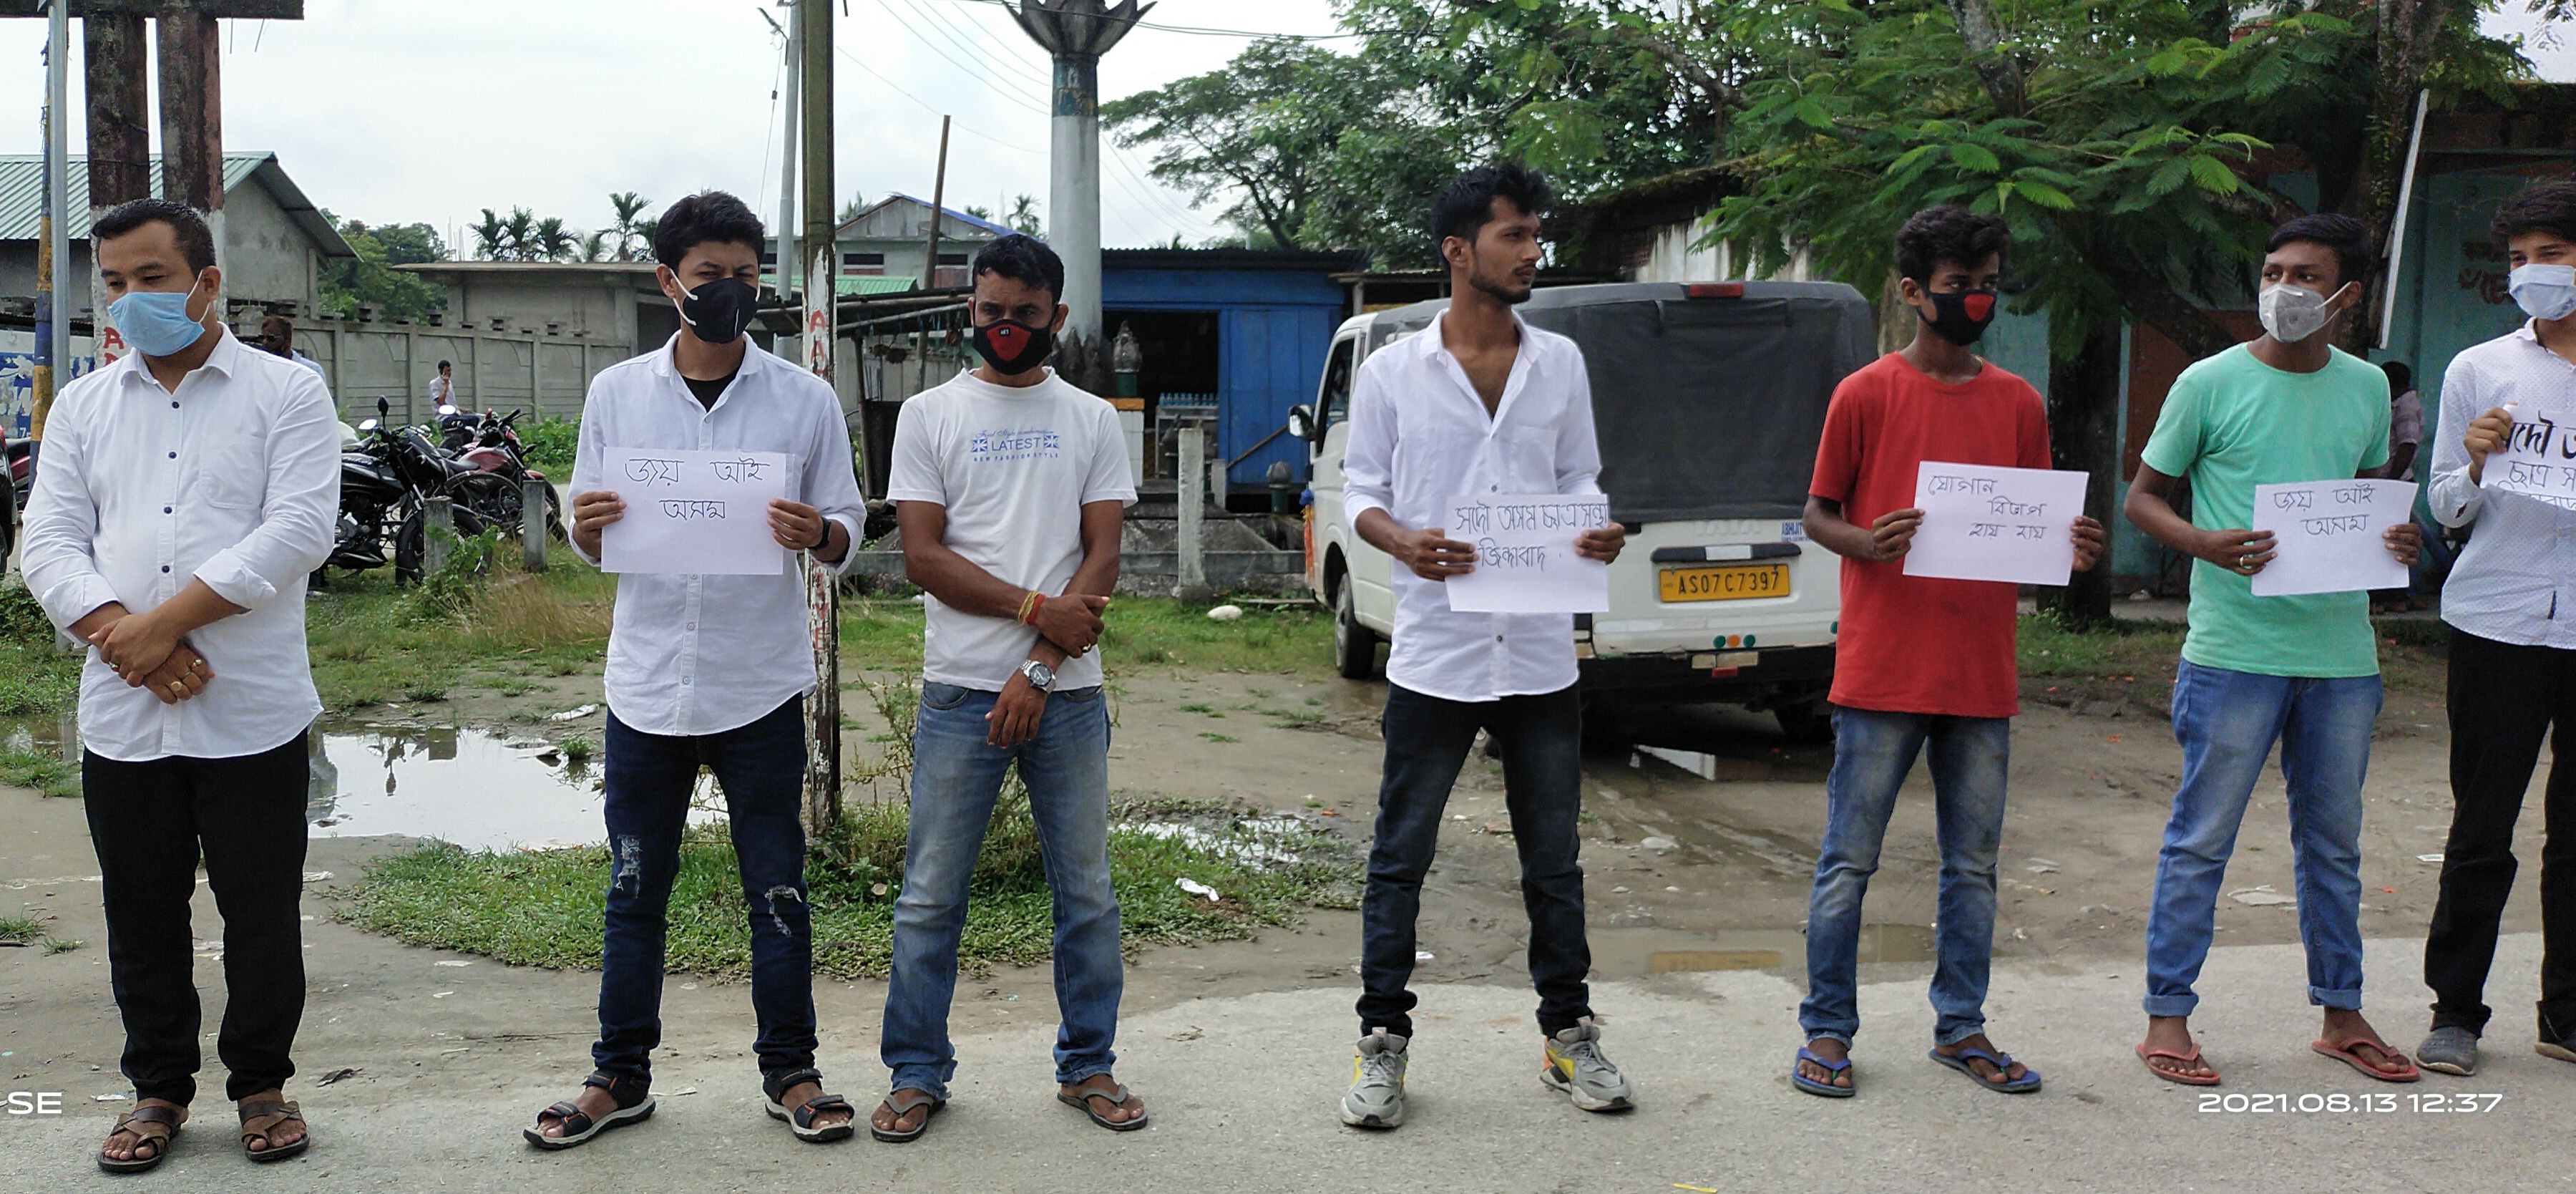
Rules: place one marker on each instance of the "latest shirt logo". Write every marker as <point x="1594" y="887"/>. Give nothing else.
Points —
<point x="1001" y="445"/>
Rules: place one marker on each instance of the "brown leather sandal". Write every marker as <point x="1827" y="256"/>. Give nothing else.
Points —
<point x="151" y="1125"/>
<point x="264" y="1116"/>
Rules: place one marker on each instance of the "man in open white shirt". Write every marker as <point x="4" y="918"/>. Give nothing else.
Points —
<point x="1011" y="485"/>
<point x="2511" y="603"/>
<point x="1477" y="403"/>
<point x="710" y="671"/>
<point x="186" y="492"/>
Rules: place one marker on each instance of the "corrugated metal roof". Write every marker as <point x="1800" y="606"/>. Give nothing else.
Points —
<point x="874" y="284"/>
<point x="22" y="199"/>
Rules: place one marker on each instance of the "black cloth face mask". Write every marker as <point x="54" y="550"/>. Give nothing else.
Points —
<point x="1962" y="314"/>
<point x="1013" y="348"/>
<point x="718" y="312"/>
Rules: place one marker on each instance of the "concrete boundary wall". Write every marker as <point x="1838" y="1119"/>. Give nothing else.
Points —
<point x="537" y="372"/>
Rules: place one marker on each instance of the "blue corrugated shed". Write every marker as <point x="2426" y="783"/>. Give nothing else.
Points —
<point x="1275" y="311"/>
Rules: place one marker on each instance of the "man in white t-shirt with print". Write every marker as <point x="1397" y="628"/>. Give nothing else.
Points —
<point x="1012" y="485"/>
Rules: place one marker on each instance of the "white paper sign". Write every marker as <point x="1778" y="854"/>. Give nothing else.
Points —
<point x="1987" y="522"/>
<point x="2539" y="458"/>
<point x="705" y="513"/>
<point x="1525" y="560"/>
<point x="2328" y="536"/>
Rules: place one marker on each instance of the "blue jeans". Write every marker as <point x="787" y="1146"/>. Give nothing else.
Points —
<point x="956" y="777"/>
<point x="650" y="777"/>
<point x="1541" y="741"/>
<point x="2227" y="722"/>
<point x="1872" y="752"/>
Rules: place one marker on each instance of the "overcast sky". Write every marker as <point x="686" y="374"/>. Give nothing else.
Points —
<point x="391" y="113"/>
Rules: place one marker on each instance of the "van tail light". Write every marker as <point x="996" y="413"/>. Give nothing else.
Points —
<point x="1716" y="290"/>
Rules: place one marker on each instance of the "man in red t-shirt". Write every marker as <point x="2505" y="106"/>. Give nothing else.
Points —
<point x="1919" y="660"/>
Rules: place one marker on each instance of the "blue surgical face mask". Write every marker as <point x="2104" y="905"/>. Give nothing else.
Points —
<point x="156" y="322"/>
<point x="2544" y="291"/>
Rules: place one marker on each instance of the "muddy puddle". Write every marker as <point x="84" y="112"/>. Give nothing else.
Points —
<point x="1620" y="952"/>
<point x="475" y="788"/>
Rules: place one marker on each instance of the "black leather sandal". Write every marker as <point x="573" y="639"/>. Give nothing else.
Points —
<point x="634" y="1097"/>
<point x="800" y="1119"/>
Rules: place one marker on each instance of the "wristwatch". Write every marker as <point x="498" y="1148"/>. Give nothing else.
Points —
<point x="1041" y="677"/>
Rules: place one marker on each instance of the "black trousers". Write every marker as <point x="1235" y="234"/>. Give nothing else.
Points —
<point x="148" y="822"/>
<point x="2504" y="700"/>
<point x="1427" y="740"/>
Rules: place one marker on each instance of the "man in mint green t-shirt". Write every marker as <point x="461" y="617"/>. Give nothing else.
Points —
<point x="2299" y="671"/>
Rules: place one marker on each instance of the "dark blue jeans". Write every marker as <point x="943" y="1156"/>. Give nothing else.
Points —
<point x="1427" y="738"/>
<point x="761" y="768"/>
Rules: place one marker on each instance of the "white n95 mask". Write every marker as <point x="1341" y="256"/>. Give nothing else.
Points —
<point x="2291" y="313"/>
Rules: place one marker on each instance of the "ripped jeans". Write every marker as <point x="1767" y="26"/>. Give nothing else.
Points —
<point x="761" y="769"/>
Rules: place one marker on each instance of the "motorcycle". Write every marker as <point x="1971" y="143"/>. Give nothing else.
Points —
<point x="385" y="487"/>
<point x="490" y="443"/>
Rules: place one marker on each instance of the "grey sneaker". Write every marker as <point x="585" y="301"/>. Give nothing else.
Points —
<point x="1576" y="1066"/>
<point x="1376" y="1098"/>
<point x="2451" y="1049"/>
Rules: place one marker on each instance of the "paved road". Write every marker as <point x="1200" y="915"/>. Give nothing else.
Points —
<point x="1243" y="1090"/>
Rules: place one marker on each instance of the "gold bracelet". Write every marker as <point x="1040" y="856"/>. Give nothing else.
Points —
<point x="1027" y="603"/>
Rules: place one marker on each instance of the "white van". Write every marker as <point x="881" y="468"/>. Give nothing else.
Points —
<point x="1708" y="399"/>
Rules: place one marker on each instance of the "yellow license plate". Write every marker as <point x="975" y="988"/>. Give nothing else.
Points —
<point x="1726" y="582"/>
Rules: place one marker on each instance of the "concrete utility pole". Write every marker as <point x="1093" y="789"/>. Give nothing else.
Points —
<point x="822" y="278"/>
<point x="1077" y="33"/>
<point x="938" y="208"/>
<point x="787" y="149"/>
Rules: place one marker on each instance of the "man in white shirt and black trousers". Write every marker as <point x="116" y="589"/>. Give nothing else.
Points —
<point x="1011" y="485"/>
<point x="710" y="671"/>
<point x="185" y="494"/>
<point x="1477" y="403"/>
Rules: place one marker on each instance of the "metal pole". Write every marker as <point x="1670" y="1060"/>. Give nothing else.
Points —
<point x="788" y="261"/>
<point x="938" y="208"/>
<point x="58" y="169"/>
<point x="822" y="590"/>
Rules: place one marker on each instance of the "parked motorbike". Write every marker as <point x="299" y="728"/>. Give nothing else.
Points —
<point x="490" y="443"/>
<point x="385" y="487"/>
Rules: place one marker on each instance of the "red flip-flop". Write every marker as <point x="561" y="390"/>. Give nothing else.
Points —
<point x="2146" y="1056"/>
<point x="2346" y="1055"/>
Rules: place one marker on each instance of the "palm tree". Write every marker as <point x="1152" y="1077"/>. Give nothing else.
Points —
<point x="519" y="235"/>
<point x="553" y="241"/>
<point x="595" y="247"/>
<point x="489" y="237"/>
<point x="627" y="234"/>
<point x="1024" y="216"/>
<point x="981" y="213"/>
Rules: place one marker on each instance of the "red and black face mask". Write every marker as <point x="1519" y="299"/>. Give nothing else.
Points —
<point x="1013" y="348"/>
<point x="1962" y="315"/>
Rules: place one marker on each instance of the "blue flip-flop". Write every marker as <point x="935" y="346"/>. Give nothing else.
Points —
<point x="2028" y="1082"/>
<point x="1822" y="1089"/>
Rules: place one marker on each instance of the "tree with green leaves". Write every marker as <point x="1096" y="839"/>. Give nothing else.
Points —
<point x="1024" y="216"/>
<point x="370" y="277"/>
<point x="631" y="234"/>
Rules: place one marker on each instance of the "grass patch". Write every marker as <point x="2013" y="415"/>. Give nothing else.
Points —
<point x="19" y="930"/>
<point x="547" y="908"/>
<point x="1216" y="737"/>
<point x="885" y="633"/>
<point x="61" y="945"/>
<point x="2414" y="653"/>
<point x="47" y="774"/>
<point x="372" y="642"/>
<point x="34" y="677"/>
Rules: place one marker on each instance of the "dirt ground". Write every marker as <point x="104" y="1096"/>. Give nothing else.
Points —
<point x="1684" y="873"/>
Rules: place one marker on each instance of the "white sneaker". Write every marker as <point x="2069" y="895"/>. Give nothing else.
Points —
<point x="1376" y="1098"/>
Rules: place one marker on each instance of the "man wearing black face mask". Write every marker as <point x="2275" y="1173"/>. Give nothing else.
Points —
<point x="1921" y="664"/>
<point x="710" y="671"/>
